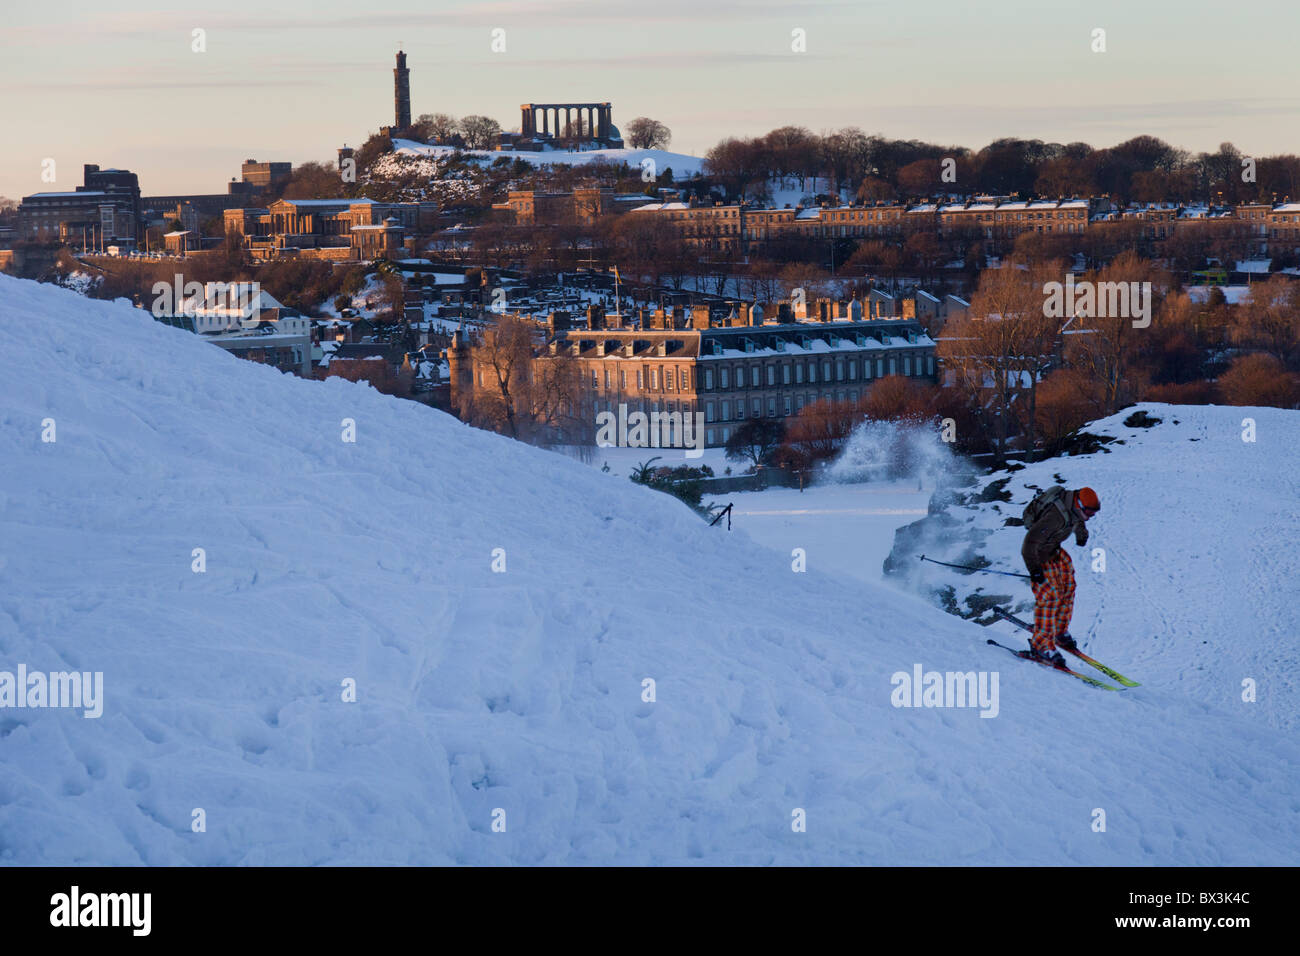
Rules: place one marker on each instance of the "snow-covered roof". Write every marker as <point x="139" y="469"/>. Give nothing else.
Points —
<point x="82" y="194"/>
<point x="330" y="202"/>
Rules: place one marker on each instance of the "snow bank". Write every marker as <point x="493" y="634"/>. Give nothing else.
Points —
<point x="372" y="561"/>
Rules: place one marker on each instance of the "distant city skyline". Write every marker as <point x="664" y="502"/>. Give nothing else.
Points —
<point x="121" y="87"/>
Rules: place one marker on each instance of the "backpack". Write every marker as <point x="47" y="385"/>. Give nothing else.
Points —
<point x="1047" y="498"/>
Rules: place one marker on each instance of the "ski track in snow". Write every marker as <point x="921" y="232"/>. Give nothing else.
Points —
<point x="522" y="690"/>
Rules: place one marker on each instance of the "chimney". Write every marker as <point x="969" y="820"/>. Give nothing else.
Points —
<point x="742" y="314"/>
<point x="700" y="317"/>
<point x="783" y="313"/>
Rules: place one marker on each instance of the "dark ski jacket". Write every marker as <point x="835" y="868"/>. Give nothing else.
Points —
<point x="1053" y="526"/>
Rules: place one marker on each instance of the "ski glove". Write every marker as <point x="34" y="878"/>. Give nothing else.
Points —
<point x="1038" y="577"/>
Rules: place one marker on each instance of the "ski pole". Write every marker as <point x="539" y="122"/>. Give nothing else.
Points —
<point x="967" y="567"/>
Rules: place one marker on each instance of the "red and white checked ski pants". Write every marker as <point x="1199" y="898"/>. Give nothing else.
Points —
<point x="1053" y="602"/>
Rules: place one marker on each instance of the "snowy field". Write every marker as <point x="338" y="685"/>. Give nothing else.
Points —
<point x="518" y="694"/>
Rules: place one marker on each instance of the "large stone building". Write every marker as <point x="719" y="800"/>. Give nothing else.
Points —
<point x="104" y="209"/>
<point x="749" y="363"/>
<point x="256" y="180"/>
<point x="528" y="206"/>
<point x="349" y="228"/>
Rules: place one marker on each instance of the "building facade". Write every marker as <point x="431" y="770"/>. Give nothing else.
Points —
<point x="104" y="209"/>
<point x="359" y="228"/>
<point x="729" y="370"/>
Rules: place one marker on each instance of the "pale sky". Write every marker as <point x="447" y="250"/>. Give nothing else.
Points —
<point x="118" y="84"/>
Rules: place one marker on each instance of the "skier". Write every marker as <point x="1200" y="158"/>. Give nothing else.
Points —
<point x="1049" y="519"/>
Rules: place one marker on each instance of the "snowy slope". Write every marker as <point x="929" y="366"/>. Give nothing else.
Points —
<point x="680" y="163"/>
<point x="1199" y="579"/>
<point x="522" y="691"/>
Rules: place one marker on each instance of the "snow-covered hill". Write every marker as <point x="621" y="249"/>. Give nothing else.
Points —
<point x="682" y="164"/>
<point x="1191" y="571"/>
<point x="328" y="560"/>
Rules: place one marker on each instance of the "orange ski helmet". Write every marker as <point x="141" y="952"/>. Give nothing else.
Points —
<point x="1087" y="499"/>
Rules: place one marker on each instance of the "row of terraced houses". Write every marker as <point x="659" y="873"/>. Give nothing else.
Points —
<point x="737" y="225"/>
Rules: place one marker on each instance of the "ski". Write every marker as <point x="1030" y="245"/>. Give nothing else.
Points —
<point x="1108" y="671"/>
<point x="1024" y="656"/>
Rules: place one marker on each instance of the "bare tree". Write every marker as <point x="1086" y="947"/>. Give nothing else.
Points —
<point x="1107" y="345"/>
<point x="998" y="351"/>
<point x="646" y="133"/>
<point x="436" y="127"/>
<point x="1269" y="320"/>
<point x="480" y="132"/>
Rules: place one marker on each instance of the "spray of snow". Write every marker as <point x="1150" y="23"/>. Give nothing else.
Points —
<point x="894" y="451"/>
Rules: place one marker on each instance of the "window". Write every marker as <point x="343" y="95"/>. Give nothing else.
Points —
<point x="893" y="365"/>
<point x="726" y="410"/>
<point x="930" y="363"/>
<point x="812" y="372"/>
<point x="724" y="376"/>
<point x="787" y="405"/>
<point x="757" y="407"/>
<point x="880" y="368"/>
<point x="708" y="379"/>
<point x="740" y="408"/>
<point x="771" y="375"/>
<point x="771" y="408"/>
<point x="654" y="379"/>
<point x="853" y="370"/>
<point x="785" y="375"/>
<point x="826" y="370"/>
<point x="708" y="437"/>
<point x="606" y="378"/>
<point x="668" y="379"/>
<point x="753" y="377"/>
<point x="708" y="411"/>
<point x="839" y="370"/>
<point x="798" y="374"/>
<point x="640" y="378"/>
<point x="907" y="365"/>
<point x="798" y="402"/>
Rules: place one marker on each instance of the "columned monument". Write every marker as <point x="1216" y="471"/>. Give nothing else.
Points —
<point x="582" y="122"/>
